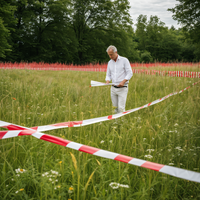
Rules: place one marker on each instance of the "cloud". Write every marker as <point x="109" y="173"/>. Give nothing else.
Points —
<point x="154" y="7"/>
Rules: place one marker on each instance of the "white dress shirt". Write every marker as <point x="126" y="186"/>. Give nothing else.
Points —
<point x="119" y="70"/>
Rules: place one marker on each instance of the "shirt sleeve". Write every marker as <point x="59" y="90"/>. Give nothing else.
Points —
<point x="128" y="69"/>
<point x="108" y="74"/>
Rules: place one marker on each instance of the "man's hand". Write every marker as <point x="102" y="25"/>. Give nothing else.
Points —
<point x="122" y="83"/>
<point x="107" y="82"/>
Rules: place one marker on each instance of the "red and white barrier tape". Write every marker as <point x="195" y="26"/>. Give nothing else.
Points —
<point x="16" y="130"/>
<point x="173" y="171"/>
<point x="101" y="119"/>
<point x="103" y="68"/>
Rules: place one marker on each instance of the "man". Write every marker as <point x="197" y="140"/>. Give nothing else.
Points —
<point x="120" y="72"/>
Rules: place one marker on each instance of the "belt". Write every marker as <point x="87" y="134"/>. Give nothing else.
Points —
<point x="118" y="87"/>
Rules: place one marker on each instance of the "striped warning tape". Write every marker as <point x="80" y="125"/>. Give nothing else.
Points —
<point x="105" y="118"/>
<point x="173" y="171"/>
<point x="16" y="130"/>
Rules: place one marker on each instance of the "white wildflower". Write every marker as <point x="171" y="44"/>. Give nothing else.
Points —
<point x="171" y="163"/>
<point x="179" y="148"/>
<point x="124" y="186"/>
<point x="148" y="156"/>
<point x="150" y="150"/>
<point x="114" y="185"/>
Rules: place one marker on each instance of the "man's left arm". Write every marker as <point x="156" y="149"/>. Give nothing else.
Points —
<point x="128" y="71"/>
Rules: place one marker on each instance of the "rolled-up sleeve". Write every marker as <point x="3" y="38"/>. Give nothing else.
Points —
<point x="129" y="72"/>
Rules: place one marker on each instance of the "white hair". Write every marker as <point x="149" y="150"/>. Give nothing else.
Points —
<point x="114" y="49"/>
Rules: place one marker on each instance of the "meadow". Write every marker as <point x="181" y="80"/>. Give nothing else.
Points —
<point x="167" y="133"/>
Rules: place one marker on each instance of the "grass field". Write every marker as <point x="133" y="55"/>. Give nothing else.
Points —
<point x="167" y="133"/>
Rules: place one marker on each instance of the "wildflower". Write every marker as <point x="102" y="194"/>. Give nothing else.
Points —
<point x="60" y="162"/>
<point x="171" y="163"/>
<point x="144" y="139"/>
<point x="14" y="98"/>
<point x="114" y="185"/>
<point x="102" y="141"/>
<point x="148" y="156"/>
<point x="110" y="141"/>
<point x="16" y="192"/>
<point x="21" y="189"/>
<point x="70" y="189"/>
<point x="179" y="148"/>
<point x="124" y="186"/>
<point x="176" y="124"/>
<point x="150" y="150"/>
<point x="58" y="186"/>
<point x="50" y="179"/>
<point x="20" y="170"/>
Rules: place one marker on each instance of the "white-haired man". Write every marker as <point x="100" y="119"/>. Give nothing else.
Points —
<point x="120" y="72"/>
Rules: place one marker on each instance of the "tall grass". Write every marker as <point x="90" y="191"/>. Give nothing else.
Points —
<point x="168" y="132"/>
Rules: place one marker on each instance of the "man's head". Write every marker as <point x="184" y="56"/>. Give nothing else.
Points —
<point x="112" y="52"/>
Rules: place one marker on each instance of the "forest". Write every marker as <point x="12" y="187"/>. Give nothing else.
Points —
<point x="79" y="32"/>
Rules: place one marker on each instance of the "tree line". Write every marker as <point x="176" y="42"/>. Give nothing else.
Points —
<point x="79" y="31"/>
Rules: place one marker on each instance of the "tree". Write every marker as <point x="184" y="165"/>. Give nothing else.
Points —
<point x="41" y="32"/>
<point x="90" y="16"/>
<point x="187" y="12"/>
<point x="157" y="40"/>
<point x="6" y="19"/>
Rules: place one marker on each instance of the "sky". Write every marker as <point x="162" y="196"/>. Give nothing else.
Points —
<point x="154" y="7"/>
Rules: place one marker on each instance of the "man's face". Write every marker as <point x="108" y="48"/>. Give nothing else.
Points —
<point x="112" y="55"/>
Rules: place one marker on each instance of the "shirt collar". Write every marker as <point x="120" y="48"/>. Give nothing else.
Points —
<point x="118" y="58"/>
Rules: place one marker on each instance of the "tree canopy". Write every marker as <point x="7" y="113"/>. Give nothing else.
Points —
<point x="187" y="12"/>
<point x="79" y="32"/>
